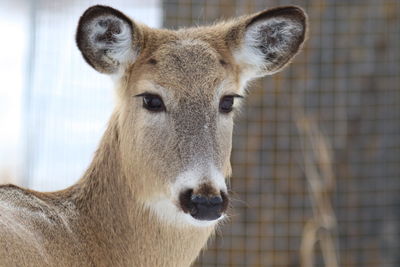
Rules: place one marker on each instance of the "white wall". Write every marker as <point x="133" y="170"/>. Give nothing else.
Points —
<point x="14" y="19"/>
<point x="55" y="122"/>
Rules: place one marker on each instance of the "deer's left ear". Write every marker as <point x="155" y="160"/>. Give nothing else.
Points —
<point x="265" y="43"/>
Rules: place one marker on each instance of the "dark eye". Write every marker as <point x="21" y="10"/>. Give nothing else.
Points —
<point x="152" y="102"/>
<point x="226" y="103"/>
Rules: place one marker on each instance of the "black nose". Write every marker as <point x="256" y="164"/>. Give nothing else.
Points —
<point x="203" y="207"/>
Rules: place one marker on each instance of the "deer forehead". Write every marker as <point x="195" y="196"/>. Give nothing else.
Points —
<point x="185" y="68"/>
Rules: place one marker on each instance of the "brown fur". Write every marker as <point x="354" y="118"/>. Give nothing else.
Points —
<point x="104" y="220"/>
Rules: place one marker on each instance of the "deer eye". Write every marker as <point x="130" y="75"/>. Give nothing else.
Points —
<point x="226" y="104"/>
<point x="152" y="102"/>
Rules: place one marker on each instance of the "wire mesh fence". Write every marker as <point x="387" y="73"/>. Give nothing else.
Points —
<point x="316" y="153"/>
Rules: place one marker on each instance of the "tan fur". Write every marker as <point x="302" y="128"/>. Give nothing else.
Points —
<point x="105" y="219"/>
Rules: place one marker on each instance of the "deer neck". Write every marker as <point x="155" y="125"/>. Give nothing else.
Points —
<point x="115" y="223"/>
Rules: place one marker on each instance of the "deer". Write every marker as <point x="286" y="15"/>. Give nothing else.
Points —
<point x="156" y="189"/>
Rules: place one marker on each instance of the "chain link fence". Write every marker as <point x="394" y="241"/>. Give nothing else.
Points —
<point x="316" y="150"/>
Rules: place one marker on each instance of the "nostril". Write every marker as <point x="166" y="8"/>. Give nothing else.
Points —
<point x="216" y="200"/>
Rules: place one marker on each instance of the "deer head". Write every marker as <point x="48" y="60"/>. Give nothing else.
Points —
<point x="178" y="92"/>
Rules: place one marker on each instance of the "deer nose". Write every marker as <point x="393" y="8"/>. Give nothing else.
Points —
<point x="204" y="207"/>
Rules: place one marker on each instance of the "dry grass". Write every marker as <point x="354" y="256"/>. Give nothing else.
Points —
<point x="320" y="230"/>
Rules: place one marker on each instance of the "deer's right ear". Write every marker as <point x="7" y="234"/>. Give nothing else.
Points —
<point x="108" y="40"/>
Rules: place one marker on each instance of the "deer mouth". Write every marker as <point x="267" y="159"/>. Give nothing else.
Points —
<point x="202" y="206"/>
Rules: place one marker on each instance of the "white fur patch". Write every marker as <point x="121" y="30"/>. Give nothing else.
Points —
<point x="217" y="178"/>
<point x="196" y="176"/>
<point x="189" y="179"/>
<point x="169" y="212"/>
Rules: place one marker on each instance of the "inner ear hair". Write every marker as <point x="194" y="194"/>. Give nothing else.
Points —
<point x="106" y="37"/>
<point x="272" y="38"/>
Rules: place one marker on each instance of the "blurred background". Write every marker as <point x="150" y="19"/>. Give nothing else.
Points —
<point x="316" y="150"/>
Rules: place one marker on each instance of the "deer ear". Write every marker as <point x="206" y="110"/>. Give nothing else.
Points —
<point x="108" y="39"/>
<point x="266" y="42"/>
